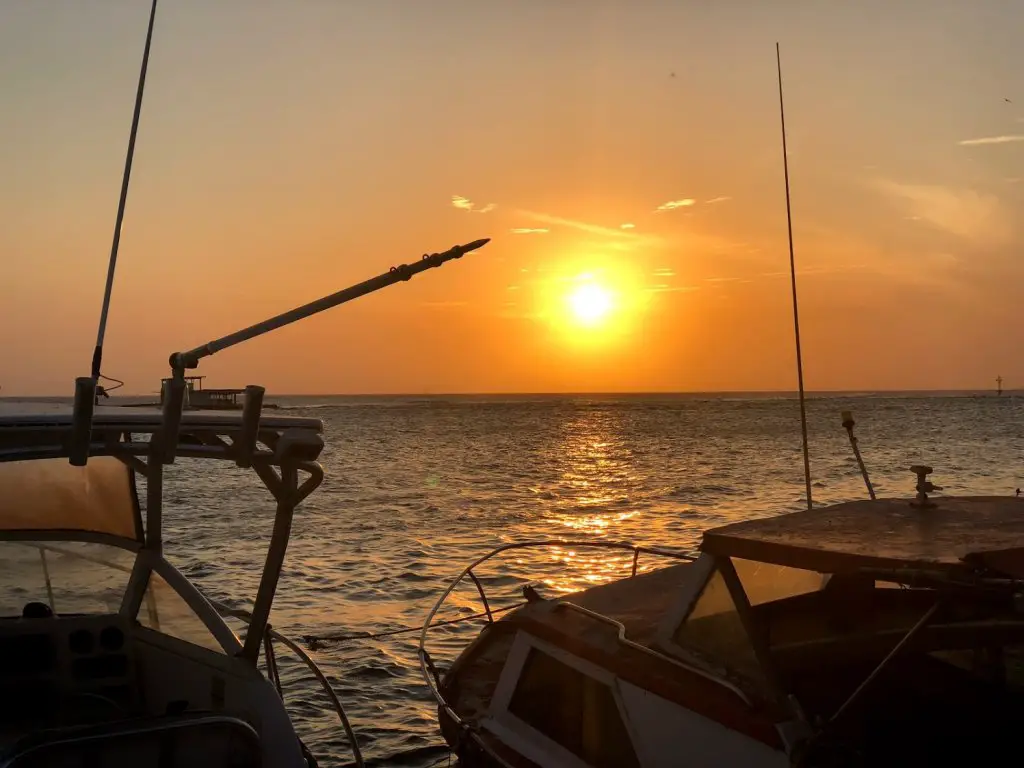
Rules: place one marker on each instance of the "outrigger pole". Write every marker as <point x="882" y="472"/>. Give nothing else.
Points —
<point x="174" y="392"/>
<point x="792" y="273"/>
<point x="86" y="386"/>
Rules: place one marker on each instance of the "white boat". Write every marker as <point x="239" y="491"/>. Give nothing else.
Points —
<point x="869" y="633"/>
<point x="110" y="656"/>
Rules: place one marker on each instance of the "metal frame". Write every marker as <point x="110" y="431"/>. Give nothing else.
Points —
<point x="522" y="736"/>
<point x="427" y="667"/>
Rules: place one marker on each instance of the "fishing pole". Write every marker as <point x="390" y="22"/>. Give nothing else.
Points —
<point x="86" y="387"/>
<point x="180" y="361"/>
<point x="792" y="272"/>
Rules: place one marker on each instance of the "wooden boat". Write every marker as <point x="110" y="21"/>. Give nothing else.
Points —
<point x="109" y="655"/>
<point x="868" y="633"/>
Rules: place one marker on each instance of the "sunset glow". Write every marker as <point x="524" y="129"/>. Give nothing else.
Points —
<point x="587" y="141"/>
<point x="590" y="303"/>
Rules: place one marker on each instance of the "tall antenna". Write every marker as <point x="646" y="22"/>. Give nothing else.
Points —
<point x="85" y="388"/>
<point x="792" y="273"/>
<point x="97" y="355"/>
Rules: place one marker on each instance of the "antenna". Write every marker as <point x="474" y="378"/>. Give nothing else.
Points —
<point x="792" y="273"/>
<point x="85" y="388"/>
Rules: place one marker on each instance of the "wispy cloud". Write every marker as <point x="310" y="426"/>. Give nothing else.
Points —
<point x="1006" y="139"/>
<point x="465" y="204"/>
<point x="663" y="288"/>
<point x="528" y="231"/>
<point x="627" y="225"/>
<point x="583" y="226"/>
<point x="721" y="199"/>
<point x="963" y="212"/>
<point x="664" y="272"/>
<point x="444" y="304"/>
<point x="672" y="205"/>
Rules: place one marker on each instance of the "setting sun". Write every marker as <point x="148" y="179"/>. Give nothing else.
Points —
<point x="590" y="303"/>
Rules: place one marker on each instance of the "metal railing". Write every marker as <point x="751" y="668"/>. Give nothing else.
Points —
<point x="273" y="672"/>
<point x="430" y="674"/>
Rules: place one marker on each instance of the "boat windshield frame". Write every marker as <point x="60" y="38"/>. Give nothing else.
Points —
<point x="281" y="450"/>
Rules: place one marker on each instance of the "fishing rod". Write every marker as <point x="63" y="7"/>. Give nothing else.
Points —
<point x="174" y="387"/>
<point x="792" y="272"/>
<point x="86" y="387"/>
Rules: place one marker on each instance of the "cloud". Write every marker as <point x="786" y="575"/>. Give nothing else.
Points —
<point x="583" y="226"/>
<point x="528" y="231"/>
<point x="971" y="215"/>
<point x="627" y="225"/>
<point x="465" y="204"/>
<point x="443" y="304"/>
<point x="672" y="288"/>
<point x="672" y="205"/>
<point x="721" y="199"/>
<point x="1008" y="139"/>
<point x="664" y="272"/>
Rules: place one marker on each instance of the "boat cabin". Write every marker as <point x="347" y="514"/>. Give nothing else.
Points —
<point x="871" y="632"/>
<point x="206" y="399"/>
<point x="110" y="655"/>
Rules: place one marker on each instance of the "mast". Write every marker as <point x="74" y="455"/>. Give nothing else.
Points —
<point x="86" y="387"/>
<point x="792" y="273"/>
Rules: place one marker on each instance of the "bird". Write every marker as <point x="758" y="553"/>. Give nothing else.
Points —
<point x="531" y="594"/>
<point x="1008" y="101"/>
<point x="672" y="74"/>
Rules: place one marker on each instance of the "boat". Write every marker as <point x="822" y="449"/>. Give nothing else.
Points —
<point x="866" y="633"/>
<point x="110" y="654"/>
<point x="207" y="399"/>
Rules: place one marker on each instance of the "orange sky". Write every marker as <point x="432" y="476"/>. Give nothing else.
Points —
<point x="287" y="150"/>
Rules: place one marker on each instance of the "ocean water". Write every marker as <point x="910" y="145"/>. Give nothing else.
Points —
<point x="416" y="488"/>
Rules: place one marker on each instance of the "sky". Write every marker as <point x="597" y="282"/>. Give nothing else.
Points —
<point x="624" y="157"/>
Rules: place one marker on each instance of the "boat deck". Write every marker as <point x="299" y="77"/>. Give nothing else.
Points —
<point x="887" y="533"/>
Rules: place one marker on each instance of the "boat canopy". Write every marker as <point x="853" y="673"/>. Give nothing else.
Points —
<point x="949" y="536"/>
<point x="51" y="495"/>
<point x="43" y="495"/>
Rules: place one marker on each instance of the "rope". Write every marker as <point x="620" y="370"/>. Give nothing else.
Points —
<point x="312" y="641"/>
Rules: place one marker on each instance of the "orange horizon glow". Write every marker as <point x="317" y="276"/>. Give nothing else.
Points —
<point x="624" y="158"/>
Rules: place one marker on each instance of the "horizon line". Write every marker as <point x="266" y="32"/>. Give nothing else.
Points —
<point x="606" y="393"/>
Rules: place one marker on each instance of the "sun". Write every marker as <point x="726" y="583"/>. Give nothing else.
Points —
<point x="590" y="304"/>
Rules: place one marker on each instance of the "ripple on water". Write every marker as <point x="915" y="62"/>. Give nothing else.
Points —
<point x="416" y="490"/>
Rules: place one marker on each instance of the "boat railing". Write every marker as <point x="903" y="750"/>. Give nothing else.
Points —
<point x="429" y="669"/>
<point x="274" y="672"/>
<point x="270" y="655"/>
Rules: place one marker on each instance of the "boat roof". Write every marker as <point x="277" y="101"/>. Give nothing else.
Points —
<point x="882" y="534"/>
<point x="24" y="413"/>
<point x="42" y="495"/>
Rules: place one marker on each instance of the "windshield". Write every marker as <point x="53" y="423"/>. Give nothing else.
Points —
<point x="70" y="577"/>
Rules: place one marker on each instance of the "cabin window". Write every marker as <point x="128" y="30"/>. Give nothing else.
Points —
<point x="165" y="611"/>
<point x="71" y="577"/>
<point x="767" y="582"/>
<point x="713" y="628"/>
<point x="573" y="710"/>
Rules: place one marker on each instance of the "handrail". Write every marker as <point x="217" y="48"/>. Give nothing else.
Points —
<point x="246" y="616"/>
<point x="621" y="637"/>
<point x="427" y="667"/>
<point x="313" y="667"/>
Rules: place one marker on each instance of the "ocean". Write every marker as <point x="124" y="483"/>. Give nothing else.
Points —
<point x="417" y="487"/>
